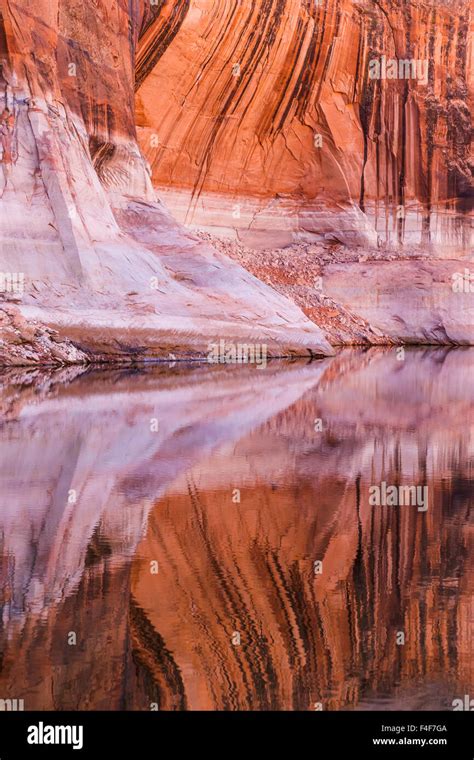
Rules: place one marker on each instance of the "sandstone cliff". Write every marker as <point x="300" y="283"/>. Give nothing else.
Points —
<point x="102" y="261"/>
<point x="254" y="119"/>
<point x="262" y="117"/>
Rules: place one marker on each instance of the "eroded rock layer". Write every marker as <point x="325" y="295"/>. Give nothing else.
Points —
<point x="97" y="256"/>
<point x="261" y="116"/>
<point x="257" y="119"/>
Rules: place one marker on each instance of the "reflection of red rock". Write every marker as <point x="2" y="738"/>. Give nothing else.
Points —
<point x="245" y="567"/>
<point x="248" y="567"/>
<point x="304" y="638"/>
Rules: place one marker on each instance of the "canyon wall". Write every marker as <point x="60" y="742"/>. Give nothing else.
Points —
<point x="104" y="269"/>
<point x="120" y="121"/>
<point x="260" y="117"/>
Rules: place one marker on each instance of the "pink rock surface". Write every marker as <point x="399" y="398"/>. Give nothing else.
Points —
<point x="102" y="261"/>
<point x="229" y="100"/>
<point x="409" y="301"/>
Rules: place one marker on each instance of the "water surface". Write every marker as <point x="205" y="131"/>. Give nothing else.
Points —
<point x="159" y="532"/>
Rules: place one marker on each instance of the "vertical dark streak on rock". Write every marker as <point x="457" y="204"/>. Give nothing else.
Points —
<point x="289" y="64"/>
<point x="402" y="170"/>
<point x="220" y="42"/>
<point x="460" y="177"/>
<point x="151" y="13"/>
<point x="253" y="656"/>
<point x="368" y="90"/>
<point x="431" y="124"/>
<point x="3" y="42"/>
<point x="326" y="57"/>
<point x="257" y="52"/>
<point x="249" y="64"/>
<point x="147" y="58"/>
<point x="404" y="135"/>
<point x="149" y="651"/>
<point x="360" y="58"/>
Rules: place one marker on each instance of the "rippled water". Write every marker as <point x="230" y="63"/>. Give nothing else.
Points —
<point x="203" y="538"/>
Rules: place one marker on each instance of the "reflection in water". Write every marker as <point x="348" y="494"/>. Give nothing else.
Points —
<point x="159" y="532"/>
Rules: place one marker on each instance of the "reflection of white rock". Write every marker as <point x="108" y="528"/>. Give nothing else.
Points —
<point x="165" y="496"/>
<point x="97" y="441"/>
<point x="35" y="596"/>
<point x="101" y="446"/>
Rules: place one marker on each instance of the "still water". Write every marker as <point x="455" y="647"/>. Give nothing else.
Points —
<point x="189" y="537"/>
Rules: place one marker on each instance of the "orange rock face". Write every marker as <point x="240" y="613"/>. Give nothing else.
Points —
<point x="101" y="260"/>
<point x="263" y="116"/>
<point x="278" y="121"/>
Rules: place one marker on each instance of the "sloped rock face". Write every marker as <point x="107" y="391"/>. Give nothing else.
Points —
<point x="369" y="297"/>
<point x="98" y="258"/>
<point x="259" y="119"/>
<point x="414" y="302"/>
<point x="262" y="117"/>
